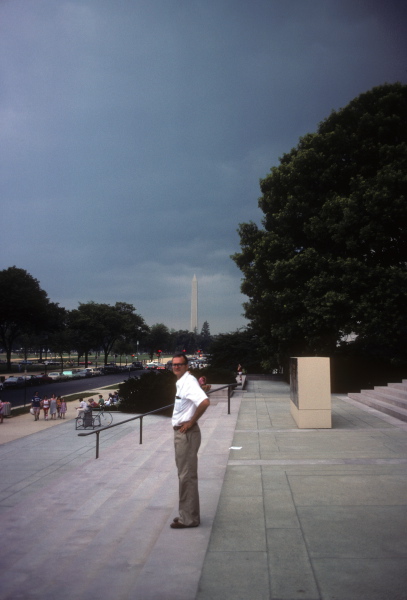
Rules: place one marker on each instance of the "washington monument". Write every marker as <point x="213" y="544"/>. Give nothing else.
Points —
<point x="194" y="304"/>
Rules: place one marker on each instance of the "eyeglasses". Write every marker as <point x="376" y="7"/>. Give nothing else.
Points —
<point x="179" y="364"/>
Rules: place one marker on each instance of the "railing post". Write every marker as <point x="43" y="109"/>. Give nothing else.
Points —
<point x="97" y="432"/>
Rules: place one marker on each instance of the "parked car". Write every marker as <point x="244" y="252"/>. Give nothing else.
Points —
<point x="57" y="376"/>
<point x="93" y="371"/>
<point x="30" y="379"/>
<point x="138" y="365"/>
<point x="14" y="382"/>
<point x="43" y="378"/>
<point x="110" y="369"/>
<point x="82" y="373"/>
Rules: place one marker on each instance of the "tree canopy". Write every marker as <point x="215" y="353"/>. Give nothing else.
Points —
<point x="24" y="307"/>
<point x="94" y="325"/>
<point x="228" y="350"/>
<point x="330" y="263"/>
<point x="157" y="339"/>
<point x="205" y="338"/>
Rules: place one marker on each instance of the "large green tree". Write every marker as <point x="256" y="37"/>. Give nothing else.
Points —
<point x="99" y="326"/>
<point x="330" y="260"/>
<point x="228" y="350"/>
<point x="205" y="338"/>
<point x="158" y="339"/>
<point x="24" y="308"/>
<point x="184" y="341"/>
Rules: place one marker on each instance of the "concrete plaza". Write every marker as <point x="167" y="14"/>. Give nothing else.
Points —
<point x="286" y="513"/>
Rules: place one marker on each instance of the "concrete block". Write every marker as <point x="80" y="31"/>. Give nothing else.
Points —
<point x="310" y="392"/>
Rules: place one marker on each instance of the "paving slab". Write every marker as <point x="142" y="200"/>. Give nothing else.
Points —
<point x="310" y="514"/>
<point x="328" y="496"/>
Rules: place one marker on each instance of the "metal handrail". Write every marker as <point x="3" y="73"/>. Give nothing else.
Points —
<point x="229" y="386"/>
<point x="141" y="417"/>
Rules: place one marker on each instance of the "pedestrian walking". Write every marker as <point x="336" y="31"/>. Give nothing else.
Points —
<point x="63" y="409"/>
<point x="240" y="372"/>
<point x="59" y="400"/>
<point x="36" y="406"/>
<point x="53" y="407"/>
<point x="191" y="402"/>
<point x="45" y="407"/>
<point x="1" y="411"/>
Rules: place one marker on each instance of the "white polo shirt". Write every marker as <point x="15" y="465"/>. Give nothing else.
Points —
<point x="189" y="396"/>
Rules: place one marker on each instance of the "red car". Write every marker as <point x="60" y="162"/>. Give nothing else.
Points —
<point x="44" y="378"/>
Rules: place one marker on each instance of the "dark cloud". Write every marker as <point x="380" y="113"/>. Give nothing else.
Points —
<point x="133" y="134"/>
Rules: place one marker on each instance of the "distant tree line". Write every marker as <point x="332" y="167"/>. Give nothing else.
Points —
<point x="28" y="318"/>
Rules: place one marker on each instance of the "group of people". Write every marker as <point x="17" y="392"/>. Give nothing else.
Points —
<point x="85" y="406"/>
<point x="53" y="407"/>
<point x="112" y="399"/>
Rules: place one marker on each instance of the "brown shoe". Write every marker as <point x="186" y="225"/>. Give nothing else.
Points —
<point x="178" y="525"/>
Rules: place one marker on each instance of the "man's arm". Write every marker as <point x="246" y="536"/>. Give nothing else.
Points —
<point x="201" y="408"/>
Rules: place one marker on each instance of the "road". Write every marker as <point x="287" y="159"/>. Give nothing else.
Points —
<point x="21" y="396"/>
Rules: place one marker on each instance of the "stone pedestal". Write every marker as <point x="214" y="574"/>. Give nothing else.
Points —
<point x="310" y="392"/>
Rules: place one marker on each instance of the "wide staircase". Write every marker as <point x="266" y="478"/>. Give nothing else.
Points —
<point x="390" y="399"/>
<point x="104" y="525"/>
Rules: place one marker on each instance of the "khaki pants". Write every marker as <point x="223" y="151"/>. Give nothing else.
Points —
<point x="186" y="458"/>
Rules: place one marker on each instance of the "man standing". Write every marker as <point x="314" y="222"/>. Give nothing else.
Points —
<point x="36" y="406"/>
<point x="190" y="404"/>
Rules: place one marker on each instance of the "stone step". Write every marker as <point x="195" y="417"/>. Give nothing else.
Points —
<point x="386" y="395"/>
<point x="402" y="387"/>
<point x="380" y="405"/>
<point x="217" y="392"/>
<point x="105" y="523"/>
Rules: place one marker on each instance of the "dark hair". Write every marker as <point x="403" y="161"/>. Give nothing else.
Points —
<point x="181" y="355"/>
